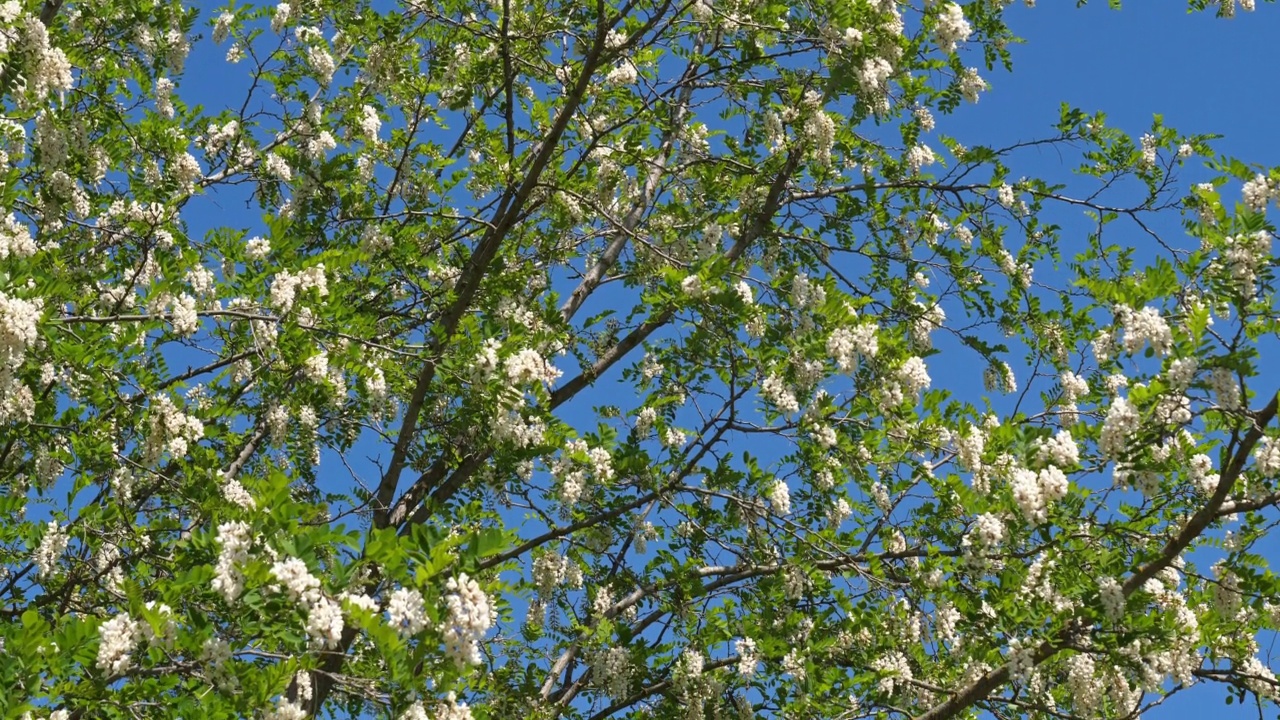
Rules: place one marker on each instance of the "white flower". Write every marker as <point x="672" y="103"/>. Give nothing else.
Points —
<point x="846" y="345"/>
<point x="611" y="671"/>
<point x="952" y="28"/>
<point x="322" y="64"/>
<point x="470" y="617"/>
<point x="1112" y="597"/>
<point x="324" y="623"/>
<point x="1120" y="423"/>
<point x="748" y="656"/>
<point x="119" y="636"/>
<point x="285" y="710"/>
<point x="838" y="512"/>
<point x="1149" y="148"/>
<point x="362" y="601"/>
<point x="1060" y="450"/>
<point x="971" y="84"/>
<point x="624" y="73"/>
<point x="277" y="167"/>
<point x="969" y="449"/>
<point x="924" y="118"/>
<point x="774" y="390"/>
<point x="874" y="73"/>
<point x="185" y="318"/>
<point x="233" y="537"/>
<point x="164" y="97"/>
<point x="280" y="17"/>
<point x="1223" y="384"/>
<point x="1243" y="255"/>
<point x="52" y="545"/>
<point x="692" y="286"/>
<point x="416" y="711"/>
<point x="1145" y="326"/>
<point x="1267" y="457"/>
<point x="987" y="530"/>
<point x="1199" y="470"/>
<point x="895" y="671"/>
<point x="370" y="123"/>
<point x="297" y="581"/>
<point x="1258" y="191"/>
<point x="406" y="612"/>
<point x="919" y="156"/>
<point x="1028" y="495"/>
<point x="235" y="493"/>
<point x="780" y="498"/>
<point x="223" y="28"/>
<point x="528" y="366"/>
<point x="914" y="376"/>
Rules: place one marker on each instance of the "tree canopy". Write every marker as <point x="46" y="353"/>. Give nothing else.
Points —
<point x="614" y="358"/>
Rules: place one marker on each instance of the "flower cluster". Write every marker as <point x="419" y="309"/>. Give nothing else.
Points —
<point x="1258" y="191"/>
<point x="780" y="498"/>
<point x="1266" y="457"/>
<point x="233" y="539"/>
<point x="952" y="29"/>
<point x="118" y="637"/>
<point x="1145" y="326"/>
<point x="52" y="544"/>
<point x="748" y="656"/>
<point x="919" y="156"/>
<point x="1243" y="255"/>
<point x="528" y="366"/>
<point x="406" y="612"/>
<point x="913" y="376"/>
<point x="324" y="616"/>
<point x="1111" y="595"/>
<point x="550" y="569"/>
<point x="18" y="332"/>
<point x="987" y="531"/>
<point x="611" y="671"/>
<point x="895" y="671"/>
<point x="774" y="391"/>
<point x="170" y="430"/>
<point x="1034" y="492"/>
<point x="846" y="344"/>
<point x="470" y="617"/>
<point x="287" y="285"/>
<point x="1060" y="450"/>
<point x="1120" y="423"/>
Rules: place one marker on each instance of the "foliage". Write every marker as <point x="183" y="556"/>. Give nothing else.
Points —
<point x="593" y="359"/>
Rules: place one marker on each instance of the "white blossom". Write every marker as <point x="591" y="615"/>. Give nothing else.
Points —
<point x="1145" y="326"/>
<point x="780" y="498"/>
<point x="233" y="541"/>
<point x="971" y="84"/>
<point x="1120" y="423"/>
<point x="406" y="612"/>
<point x="470" y="617"/>
<point x="919" y="156"/>
<point x="1112" y="597"/>
<point x="52" y="544"/>
<point x="118" y="638"/>
<point x="951" y="28"/>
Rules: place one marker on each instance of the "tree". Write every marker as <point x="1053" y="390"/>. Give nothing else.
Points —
<point x="563" y="359"/>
